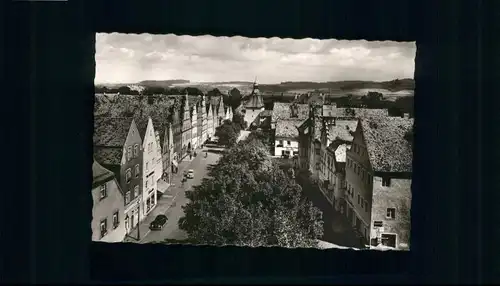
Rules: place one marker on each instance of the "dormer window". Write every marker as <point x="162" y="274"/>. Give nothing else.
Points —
<point x="386" y="182"/>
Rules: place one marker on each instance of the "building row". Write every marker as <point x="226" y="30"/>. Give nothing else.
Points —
<point x="138" y="144"/>
<point x="361" y="159"/>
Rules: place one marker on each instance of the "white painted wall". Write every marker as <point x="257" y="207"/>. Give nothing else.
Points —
<point x="251" y="115"/>
<point x="292" y="147"/>
<point x="151" y="154"/>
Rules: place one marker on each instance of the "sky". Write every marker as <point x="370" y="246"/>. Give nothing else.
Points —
<point x="130" y="58"/>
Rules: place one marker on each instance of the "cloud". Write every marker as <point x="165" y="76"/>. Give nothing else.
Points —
<point x="128" y="58"/>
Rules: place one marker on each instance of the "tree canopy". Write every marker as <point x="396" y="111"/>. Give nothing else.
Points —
<point x="239" y="120"/>
<point x="228" y="133"/>
<point x="249" y="201"/>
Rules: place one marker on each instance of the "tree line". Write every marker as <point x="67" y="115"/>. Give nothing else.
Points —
<point x="374" y="100"/>
<point x="233" y="98"/>
<point x="249" y="200"/>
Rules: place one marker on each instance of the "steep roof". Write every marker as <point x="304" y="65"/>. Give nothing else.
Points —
<point x="340" y="152"/>
<point x="342" y="130"/>
<point x="288" y="128"/>
<point x="281" y="110"/>
<point x="111" y="131"/>
<point x="110" y="156"/>
<point x="388" y="150"/>
<point x="254" y="101"/>
<point x="100" y="174"/>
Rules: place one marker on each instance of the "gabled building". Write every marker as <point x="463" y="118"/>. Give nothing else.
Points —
<point x="253" y="106"/>
<point x="220" y="111"/>
<point x="378" y="178"/>
<point x="108" y="208"/>
<point x="151" y="163"/>
<point x="210" y="121"/>
<point x="118" y="148"/>
<point x="336" y="136"/>
<point x="287" y="138"/>
<point x="168" y="155"/>
<point x="177" y="127"/>
<point x="204" y="120"/>
<point x="194" y="126"/>
<point x="186" y="129"/>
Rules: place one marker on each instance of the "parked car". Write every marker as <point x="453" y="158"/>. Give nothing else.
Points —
<point x="190" y="174"/>
<point x="158" y="222"/>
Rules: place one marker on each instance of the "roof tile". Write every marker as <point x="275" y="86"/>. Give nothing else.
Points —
<point x="388" y="150"/>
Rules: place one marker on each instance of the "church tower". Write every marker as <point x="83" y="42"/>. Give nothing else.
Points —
<point x="254" y="105"/>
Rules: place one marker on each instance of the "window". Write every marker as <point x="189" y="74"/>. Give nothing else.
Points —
<point x="116" y="221"/>
<point x="136" y="191"/>
<point x="136" y="150"/>
<point x="391" y="213"/>
<point x="318" y="152"/>
<point x="295" y="153"/>
<point x="386" y="182"/>
<point x="378" y="223"/>
<point x="358" y="199"/>
<point x="362" y="203"/>
<point x="147" y="167"/>
<point x="288" y="142"/>
<point x="127" y="197"/>
<point x="137" y="170"/>
<point x="103" y="192"/>
<point x="104" y="227"/>
<point x="280" y="143"/>
<point x="146" y="186"/>
<point x="128" y="175"/>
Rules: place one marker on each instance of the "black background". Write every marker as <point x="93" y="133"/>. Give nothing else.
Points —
<point x="48" y="105"/>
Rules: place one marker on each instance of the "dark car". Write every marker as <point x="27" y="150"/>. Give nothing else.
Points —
<point x="158" y="222"/>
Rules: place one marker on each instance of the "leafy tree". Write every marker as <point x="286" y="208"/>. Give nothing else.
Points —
<point x="124" y="90"/>
<point x="235" y="97"/>
<point x="249" y="201"/>
<point x="239" y="120"/>
<point x="191" y="91"/>
<point x="372" y="99"/>
<point x="101" y="89"/>
<point x="214" y="93"/>
<point x="264" y="137"/>
<point x="227" y="133"/>
<point x="152" y="90"/>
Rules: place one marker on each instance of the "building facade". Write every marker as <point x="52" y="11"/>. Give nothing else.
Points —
<point x="118" y="147"/>
<point x="151" y="171"/>
<point x="168" y="154"/>
<point x="186" y="129"/>
<point x="253" y="107"/>
<point x="378" y="177"/>
<point x="108" y="210"/>
<point x="194" y="127"/>
<point x="204" y="120"/>
<point x="210" y="122"/>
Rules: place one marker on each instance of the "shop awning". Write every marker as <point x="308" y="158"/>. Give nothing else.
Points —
<point x="162" y="186"/>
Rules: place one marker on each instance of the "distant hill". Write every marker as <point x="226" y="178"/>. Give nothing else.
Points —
<point x="299" y="87"/>
<point x="393" y="85"/>
<point x="162" y="83"/>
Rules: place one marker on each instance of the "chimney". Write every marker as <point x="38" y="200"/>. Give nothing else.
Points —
<point x="406" y="115"/>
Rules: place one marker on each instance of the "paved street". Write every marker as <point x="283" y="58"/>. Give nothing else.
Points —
<point x="336" y="229"/>
<point x="174" y="212"/>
